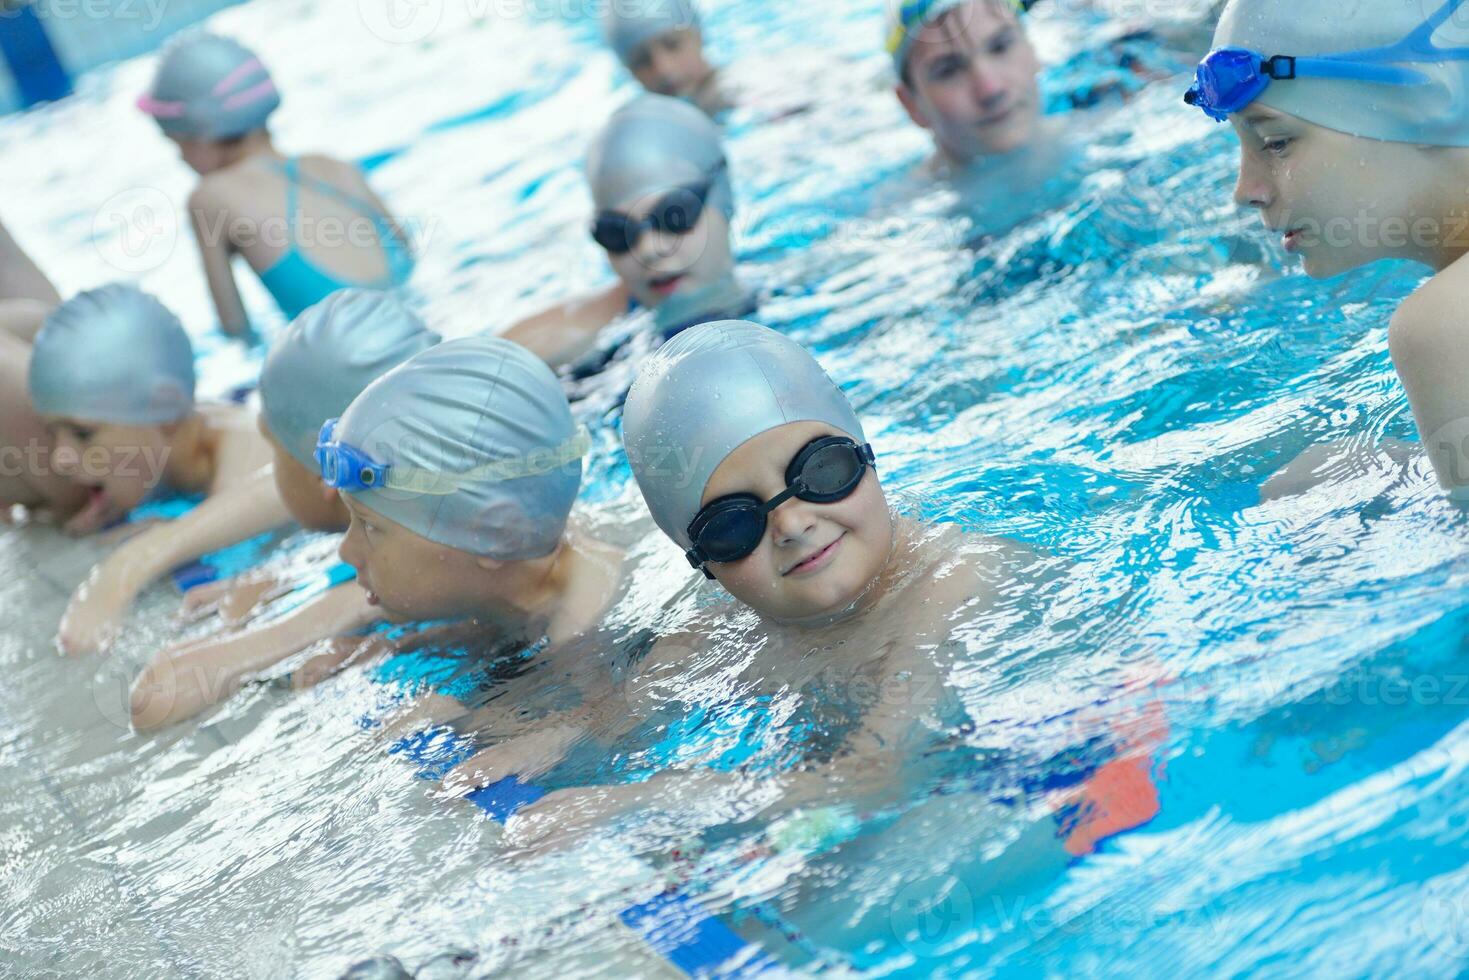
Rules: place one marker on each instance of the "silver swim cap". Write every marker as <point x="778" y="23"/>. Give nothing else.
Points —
<point x="652" y="145"/>
<point x="488" y="458"/>
<point x="906" y="19"/>
<point x="114" y="355"/>
<point x="210" y="87"/>
<point x="707" y="392"/>
<point x="630" y="24"/>
<point x="327" y="356"/>
<point x="1435" y="113"/>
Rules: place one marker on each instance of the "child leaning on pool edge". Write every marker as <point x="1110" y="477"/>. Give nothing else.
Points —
<point x="112" y="378"/>
<point x="756" y="465"/>
<point x="1358" y="115"/>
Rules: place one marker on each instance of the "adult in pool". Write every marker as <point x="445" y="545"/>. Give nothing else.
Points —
<point x="112" y="378"/>
<point x="661" y="186"/>
<point x="316" y="367"/>
<point x="756" y="465"/>
<point x="662" y="43"/>
<point x="307" y="225"/>
<point x="1354" y="143"/>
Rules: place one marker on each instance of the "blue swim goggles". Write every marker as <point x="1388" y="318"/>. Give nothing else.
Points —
<point x="346" y="467"/>
<point x="1228" y="79"/>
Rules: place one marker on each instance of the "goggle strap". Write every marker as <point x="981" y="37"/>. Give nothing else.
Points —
<point x="534" y="463"/>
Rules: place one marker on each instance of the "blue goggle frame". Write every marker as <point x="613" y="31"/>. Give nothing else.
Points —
<point x="345" y="467"/>
<point x="1228" y="79"/>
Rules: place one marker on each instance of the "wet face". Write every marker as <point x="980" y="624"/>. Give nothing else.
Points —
<point x="663" y="264"/>
<point x="117" y="465"/>
<point x="816" y="560"/>
<point x="313" y="504"/>
<point x="672" y="63"/>
<point x="1339" y="201"/>
<point x="971" y="80"/>
<point x="408" y="575"/>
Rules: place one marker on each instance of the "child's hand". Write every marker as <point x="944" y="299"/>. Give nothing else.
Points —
<point x="526" y="756"/>
<point x="233" y="600"/>
<point x="95" y="613"/>
<point x="332" y="656"/>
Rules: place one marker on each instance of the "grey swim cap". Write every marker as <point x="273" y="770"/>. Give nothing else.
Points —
<point x="630" y="24"/>
<point x="652" y="145"/>
<point x="327" y="356"/>
<point x="114" y="355"/>
<point x="482" y="427"/>
<point x="1435" y="113"/>
<point x="906" y="19"/>
<point x="210" y="87"/>
<point x="707" y="392"/>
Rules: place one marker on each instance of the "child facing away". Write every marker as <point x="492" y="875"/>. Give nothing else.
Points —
<point x="307" y="225"/>
<point x="754" y="463"/>
<point x="111" y="377"/>
<point x="1354" y="145"/>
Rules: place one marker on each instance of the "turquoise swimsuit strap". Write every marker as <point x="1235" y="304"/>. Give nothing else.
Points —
<point x="387" y="234"/>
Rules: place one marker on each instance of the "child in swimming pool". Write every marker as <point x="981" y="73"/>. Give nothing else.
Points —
<point x="969" y="75"/>
<point x="318" y="365"/>
<point x="458" y="470"/>
<point x="112" y="378"/>
<point x="1354" y="143"/>
<point x="756" y="465"/>
<point x="662" y="43"/>
<point x="307" y="225"/>
<point x="661" y="187"/>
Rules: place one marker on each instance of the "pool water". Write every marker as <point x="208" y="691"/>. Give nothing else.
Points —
<point x="1108" y="380"/>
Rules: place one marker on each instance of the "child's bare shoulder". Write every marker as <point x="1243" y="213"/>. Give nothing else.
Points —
<point x="1434" y="312"/>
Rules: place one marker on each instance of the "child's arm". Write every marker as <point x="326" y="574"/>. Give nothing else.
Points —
<point x="1427" y="345"/>
<point x="210" y="220"/>
<point x="563" y="333"/>
<point x="185" y="680"/>
<point x="233" y="600"/>
<point x="243" y="511"/>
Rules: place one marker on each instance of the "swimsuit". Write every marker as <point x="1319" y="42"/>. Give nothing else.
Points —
<point x="295" y="281"/>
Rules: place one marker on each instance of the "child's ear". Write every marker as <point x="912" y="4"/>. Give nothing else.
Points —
<point x="910" y="105"/>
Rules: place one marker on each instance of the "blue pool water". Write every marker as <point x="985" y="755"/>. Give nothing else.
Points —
<point x="1109" y="380"/>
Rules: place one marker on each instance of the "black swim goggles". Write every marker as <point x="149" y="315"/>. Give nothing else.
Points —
<point x="828" y="469"/>
<point x="675" y="213"/>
